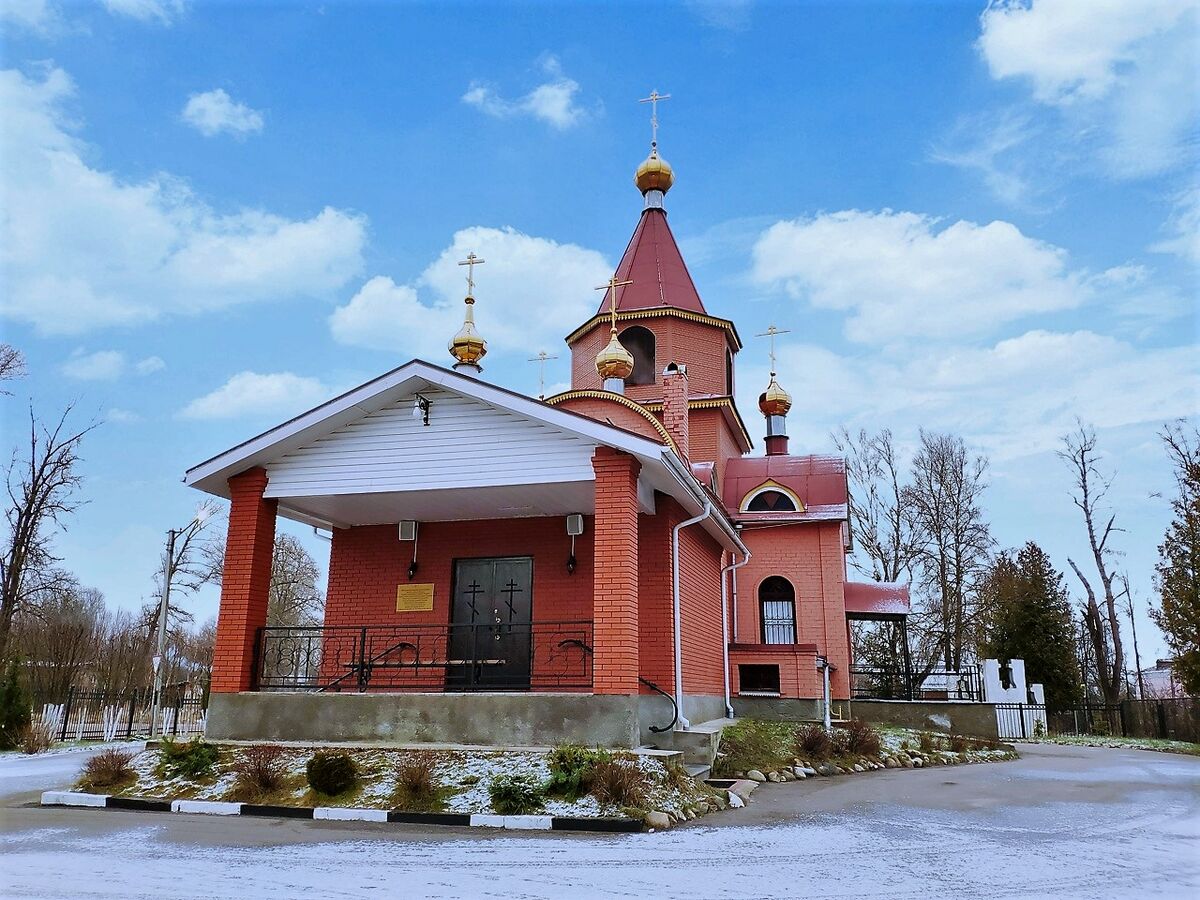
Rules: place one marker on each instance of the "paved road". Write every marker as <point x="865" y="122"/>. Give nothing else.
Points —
<point x="1061" y="822"/>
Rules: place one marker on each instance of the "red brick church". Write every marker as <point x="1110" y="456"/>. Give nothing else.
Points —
<point x="607" y="565"/>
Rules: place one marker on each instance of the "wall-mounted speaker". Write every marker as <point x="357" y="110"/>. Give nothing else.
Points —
<point x="575" y="524"/>
<point x="408" y="530"/>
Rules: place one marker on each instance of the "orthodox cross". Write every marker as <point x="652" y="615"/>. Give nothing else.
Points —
<point x="473" y="591"/>
<point x="471" y="262"/>
<point x="511" y="589"/>
<point x="541" y="360"/>
<point x="612" y="286"/>
<point x="771" y="332"/>
<point x="653" y="99"/>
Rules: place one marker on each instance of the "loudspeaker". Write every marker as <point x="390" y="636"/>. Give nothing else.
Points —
<point x="575" y="524"/>
<point x="408" y="530"/>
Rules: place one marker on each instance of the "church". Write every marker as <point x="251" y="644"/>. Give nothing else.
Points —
<point x="610" y="565"/>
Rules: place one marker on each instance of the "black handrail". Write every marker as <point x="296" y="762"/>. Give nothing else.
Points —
<point x="674" y="706"/>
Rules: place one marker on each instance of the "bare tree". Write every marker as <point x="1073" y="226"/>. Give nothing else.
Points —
<point x="12" y="365"/>
<point x="880" y="519"/>
<point x="192" y="565"/>
<point x="41" y="492"/>
<point x="953" y="540"/>
<point x="1103" y="627"/>
<point x="295" y="596"/>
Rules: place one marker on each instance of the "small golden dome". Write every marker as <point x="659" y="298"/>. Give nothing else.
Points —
<point x="467" y="346"/>
<point x="774" y="401"/>
<point x="654" y="174"/>
<point x="614" y="361"/>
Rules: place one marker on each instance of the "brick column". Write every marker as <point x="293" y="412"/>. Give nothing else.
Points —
<point x="615" y="579"/>
<point x="675" y="407"/>
<point x="246" y="581"/>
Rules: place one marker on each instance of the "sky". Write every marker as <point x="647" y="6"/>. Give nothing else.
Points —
<point x="976" y="218"/>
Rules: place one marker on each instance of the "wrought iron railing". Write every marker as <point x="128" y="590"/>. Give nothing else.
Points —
<point x="425" y="658"/>
<point x="867" y="683"/>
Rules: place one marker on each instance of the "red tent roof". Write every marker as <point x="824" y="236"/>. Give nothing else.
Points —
<point x="877" y="598"/>
<point x="653" y="263"/>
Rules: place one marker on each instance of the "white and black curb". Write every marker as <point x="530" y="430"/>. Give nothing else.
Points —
<point x="341" y="814"/>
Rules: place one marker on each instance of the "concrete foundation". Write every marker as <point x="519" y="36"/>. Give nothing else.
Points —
<point x="948" y="716"/>
<point x="782" y="709"/>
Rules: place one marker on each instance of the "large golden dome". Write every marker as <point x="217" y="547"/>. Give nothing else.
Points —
<point x="468" y="347"/>
<point x="614" y="361"/>
<point x="774" y="401"/>
<point x="654" y="174"/>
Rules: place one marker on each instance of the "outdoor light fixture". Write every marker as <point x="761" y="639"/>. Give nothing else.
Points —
<point x="421" y="408"/>
<point x="574" y="529"/>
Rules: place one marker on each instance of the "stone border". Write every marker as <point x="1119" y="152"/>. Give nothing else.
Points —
<point x="341" y="814"/>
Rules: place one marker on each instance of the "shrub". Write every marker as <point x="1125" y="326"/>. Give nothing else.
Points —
<point x="677" y="775"/>
<point x="36" y="738"/>
<point x="331" y="774"/>
<point x="260" y="769"/>
<point x="416" y="788"/>
<point x="959" y="744"/>
<point x="514" y="795"/>
<point x="571" y="770"/>
<point x="108" y="768"/>
<point x="193" y="759"/>
<point x="926" y="742"/>
<point x="619" y="781"/>
<point x="16" y="706"/>
<point x="813" y="742"/>
<point x="862" y="739"/>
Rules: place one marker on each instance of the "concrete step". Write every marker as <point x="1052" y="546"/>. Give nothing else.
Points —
<point x="698" y="744"/>
<point x="700" y="773"/>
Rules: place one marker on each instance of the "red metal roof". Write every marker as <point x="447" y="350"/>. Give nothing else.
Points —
<point x="653" y="263"/>
<point x="878" y="598"/>
<point x="819" y="482"/>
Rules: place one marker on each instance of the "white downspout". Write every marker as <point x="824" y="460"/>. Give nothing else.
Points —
<point x="733" y="577"/>
<point x="683" y="722"/>
<point x="823" y="665"/>
<point x="732" y="569"/>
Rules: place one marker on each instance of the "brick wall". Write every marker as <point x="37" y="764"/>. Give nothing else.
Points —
<point x="615" y="666"/>
<point x="798" y="674"/>
<point x="245" y="581"/>
<point x="700" y="612"/>
<point x="675" y="410"/>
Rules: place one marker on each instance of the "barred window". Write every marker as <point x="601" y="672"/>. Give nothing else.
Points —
<point x="777" y="602"/>
<point x="771" y="501"/>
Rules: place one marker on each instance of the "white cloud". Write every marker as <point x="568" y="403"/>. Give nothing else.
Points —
<point x="165" y="12"/>
<point x="38" y="16"/>
<point x="725" y="15"/>
<point x="1121" y="72"/>
<point x="255" y="394"/>
<point x="83" y="248"/>
<point x="149" y="365"/>
<point x="900" y="274"/>
<point x="215" y="111"/>
<point x="552" y="102"/>
<point x="520" y="272"/>
<point x="121" y="416"/>
<point x="1011" y="398"/>
<point x="103" y="365"/>
<point x="1184" y="226"/>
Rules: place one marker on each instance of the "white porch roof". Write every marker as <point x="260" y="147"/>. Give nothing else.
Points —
<point x="487" y="453"/>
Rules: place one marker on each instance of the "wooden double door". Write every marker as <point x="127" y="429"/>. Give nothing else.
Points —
<point x="491" y="618"/>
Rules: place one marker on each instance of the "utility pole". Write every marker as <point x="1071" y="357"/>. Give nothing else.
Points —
<point x="164" y="608"/>
<point x="1137" y="656"/>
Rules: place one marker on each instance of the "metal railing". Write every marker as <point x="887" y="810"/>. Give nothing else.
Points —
<point x="867" y="683"/>
<point x="425" y="658"/>
<point x="88" y="715"/>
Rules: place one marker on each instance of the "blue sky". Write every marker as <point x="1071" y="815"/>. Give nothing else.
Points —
<point x="977" y="219"/>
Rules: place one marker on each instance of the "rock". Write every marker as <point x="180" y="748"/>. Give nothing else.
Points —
<point x="908" y="763"/>
<point x="826" y="769"/>
<point x="810" y="771"/>
<point x="788" y="774"/>
<point x="659" y="821"/>
<point x="858" y="768"/>
<point x="735" y="802"/>
<point x="799" y="772"/>
<point x="774" y="777"/>
<point x="719" y="801"/>
<point x="755" y="775"/>
<point x="918" y="763"/>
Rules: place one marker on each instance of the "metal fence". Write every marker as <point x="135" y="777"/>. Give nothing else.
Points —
<point x="868" y="683"/>
<point x="99" y="716"/>
<point x="425" y="658"/>
<point x="1172" y="719"/>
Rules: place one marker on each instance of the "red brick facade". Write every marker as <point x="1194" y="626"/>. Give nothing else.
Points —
<point x="615" y="666"/>
<point x="245" y="581"/>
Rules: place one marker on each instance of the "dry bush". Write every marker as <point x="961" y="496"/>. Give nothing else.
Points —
<point x="108" y="768"/>
<point x="35" y="738"/>
<point x="959" y="744"/>
<point x="416" y="788"/>
<point x="813" y="743"/>
<point x="862" y="739"/>
<point x="927" y="742"/>
<point x="619" y="781"/>
<point x="260" y="769"/>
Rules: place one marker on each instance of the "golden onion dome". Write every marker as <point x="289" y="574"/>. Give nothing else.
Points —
<point x="614" y="361"/>
<point x="774" y="401"/>
<point x="467" y="346"/>
<point x="654" y="174"/>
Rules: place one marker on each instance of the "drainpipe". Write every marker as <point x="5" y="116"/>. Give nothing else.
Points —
<point x="684" y="724"/>
<point x="731" y="568"/>
<point x="823" y="665"/>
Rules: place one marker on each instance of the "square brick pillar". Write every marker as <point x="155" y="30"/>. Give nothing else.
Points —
<point x="246" y="581"/>
<point x="675" y="407"/>
<point x="615" y="579"/>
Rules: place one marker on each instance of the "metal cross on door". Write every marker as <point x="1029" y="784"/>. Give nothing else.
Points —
<point x="490" y="626"/>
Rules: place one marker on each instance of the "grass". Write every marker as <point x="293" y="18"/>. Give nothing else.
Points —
<point x="620" y="781"/>
<point x="417" y="787"/>
<point x="755" y="744"/>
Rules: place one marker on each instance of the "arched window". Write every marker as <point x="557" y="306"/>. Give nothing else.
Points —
<point x="771" y="501"/>
<point x="639" y="342"/>
<point x="777" y="607"/>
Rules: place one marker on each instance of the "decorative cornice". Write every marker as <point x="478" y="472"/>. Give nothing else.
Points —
<point x="712" y="403"/>
<point x="623" y="401"/>
<point x="634" y="314"/>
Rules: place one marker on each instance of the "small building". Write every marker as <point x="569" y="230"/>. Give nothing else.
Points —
<point x="605" y="565"/>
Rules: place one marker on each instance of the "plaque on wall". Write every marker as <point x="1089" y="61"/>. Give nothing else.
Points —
<point x="414" y="597"/>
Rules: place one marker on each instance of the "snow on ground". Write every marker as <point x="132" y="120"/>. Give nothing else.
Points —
<point x="58" y="768"/>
